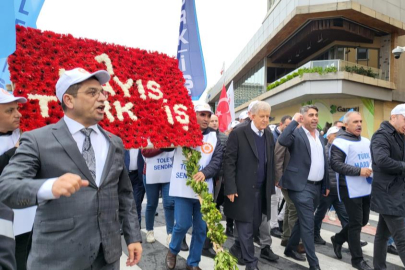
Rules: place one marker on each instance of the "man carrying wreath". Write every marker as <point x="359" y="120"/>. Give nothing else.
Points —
<point x="187" y="208"/>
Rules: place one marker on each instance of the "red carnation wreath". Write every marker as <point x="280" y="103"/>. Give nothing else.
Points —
<point x="147" y="98"/>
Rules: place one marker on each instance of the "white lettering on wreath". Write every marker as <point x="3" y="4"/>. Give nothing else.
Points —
<point x="43" y="103"/>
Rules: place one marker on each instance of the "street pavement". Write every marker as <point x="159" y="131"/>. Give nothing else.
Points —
<point x="154" y="254"/>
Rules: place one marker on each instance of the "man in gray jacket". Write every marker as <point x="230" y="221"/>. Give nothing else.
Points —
<point x="77" y="223"/>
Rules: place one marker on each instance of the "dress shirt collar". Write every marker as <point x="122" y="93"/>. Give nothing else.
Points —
<point x="75" y="126"/>
<point x="255" y="129"/>
<point x="308" y="133"/>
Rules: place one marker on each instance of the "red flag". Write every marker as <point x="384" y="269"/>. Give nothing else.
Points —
<point x="223" y="113"/>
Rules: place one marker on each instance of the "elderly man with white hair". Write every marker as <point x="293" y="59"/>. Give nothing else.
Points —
<point x="251" y="147"/>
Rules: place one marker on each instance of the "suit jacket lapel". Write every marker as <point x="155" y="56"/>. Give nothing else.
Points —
<point x="305" y="138"/>
<point x="63" y="136"/>
<point x="251" y="140"/>
<point x="110" y="156"/>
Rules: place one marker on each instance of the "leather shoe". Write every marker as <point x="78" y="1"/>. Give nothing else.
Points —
<point x="268" y="254"/>
<point x="170" y="260"/>
<point x="237" y="253"/>
<point x="276" y="232"/>
<point x="319" y="240"/>
<point x="284" y="242"/>
<point x="252" y="268"/>
<point x="300" y="248"/>
<point x="392" y="250"/>
<point x="314" y="267"/>
<point x="363" y="243"/>
<point x="184" y="246"/>
<point x="363" y="265"/>
<point x="295" y="255"/>
<point x="188" y="267"/>
<point x="337" y="248"/>
<point x="229" y="231"/>
<point x="208" y="252"/>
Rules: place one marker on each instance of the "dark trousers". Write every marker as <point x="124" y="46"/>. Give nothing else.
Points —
<point x="246" y="231"/>
<point x="22" y="248"/>
<point x="100" y="263"/>
<point x="138" y="191"/>
<point x="220" y="201"/>
<point x="358" y="210"/>
<point x="305" y="202"/>
<point x="387" y="226"/>
<point x="323" y="207"/>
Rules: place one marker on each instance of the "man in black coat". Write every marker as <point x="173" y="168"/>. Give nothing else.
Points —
<point x="305" y="178"/>
<point x="249" y="179"/>
<point x="387" y="195"/>
<point x="7" y="243"/>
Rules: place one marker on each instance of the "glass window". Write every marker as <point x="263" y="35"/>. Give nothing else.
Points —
<point x="362" y="54"/>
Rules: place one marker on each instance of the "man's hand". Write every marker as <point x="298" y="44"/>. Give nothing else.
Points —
<point x="298" y="117"/>
<point x="199" y="177"/>
<point x="232" y="197"/>
<point x="366" y="172"/>
<point x="326" y="193"/>
<point x="68" y="184"/>
<point x="135" y="253"/>
<point x="17" y="144"/>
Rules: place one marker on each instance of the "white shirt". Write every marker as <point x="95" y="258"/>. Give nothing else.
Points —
<point x="133" y="159"/>
<point x="100" y="146"/>
<point x="9" y="141"/>
<point x="317" y="170"/>
<point x="255" y="129"/>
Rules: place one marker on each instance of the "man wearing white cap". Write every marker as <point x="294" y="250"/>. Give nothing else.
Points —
<point x="187" y="208"/>
<point x="387" y="196"/>
<point x="74" y="171"/>
<point x="9" y="141"/>
<point x="243" y="116"/>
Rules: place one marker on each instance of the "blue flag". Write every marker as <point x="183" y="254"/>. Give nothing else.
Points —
<point x="189" y="51"/>
<point x="23" y="12"/>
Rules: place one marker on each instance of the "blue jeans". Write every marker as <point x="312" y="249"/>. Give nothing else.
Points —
<point x="152" y="196"/>
<point x="138" y="191"/>
<point x="187" y="213"/>
<point x="324" y="205"/>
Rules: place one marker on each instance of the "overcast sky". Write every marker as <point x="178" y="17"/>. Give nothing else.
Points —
<point x="225" y="25"/>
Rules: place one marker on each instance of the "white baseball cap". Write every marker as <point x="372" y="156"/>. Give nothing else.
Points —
<point x="7" y="97"/>
<point x="332" y="130"/>
<point x="202" y="107"/>
<point x="251" y="105"/>
<point x="78" y="75"/>
<point x="243" y="115"/>
<point x="234" y="124"/>
<point x="399" y="109"/>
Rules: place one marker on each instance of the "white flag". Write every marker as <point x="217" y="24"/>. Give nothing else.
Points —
<point x="231" y="101"/>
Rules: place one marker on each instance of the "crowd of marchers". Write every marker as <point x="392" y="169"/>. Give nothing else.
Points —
<point x="278" y="182"/>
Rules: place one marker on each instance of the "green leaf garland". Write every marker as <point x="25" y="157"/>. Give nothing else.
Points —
<point x="223" y="259"/>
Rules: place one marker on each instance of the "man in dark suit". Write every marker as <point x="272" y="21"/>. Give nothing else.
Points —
<point x="77" y="222"/>
<point x="305" y="178"/>
<point x="249" y="180"/>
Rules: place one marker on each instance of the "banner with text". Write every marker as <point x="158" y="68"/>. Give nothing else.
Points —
<point x="189" y="51"/>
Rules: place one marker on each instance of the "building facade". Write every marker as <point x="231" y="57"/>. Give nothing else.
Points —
<point x="335" y="54"/>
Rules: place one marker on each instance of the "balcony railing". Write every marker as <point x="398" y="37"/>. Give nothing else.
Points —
<point x="331" y="66"/>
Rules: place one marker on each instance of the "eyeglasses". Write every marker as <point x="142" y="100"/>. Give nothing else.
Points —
<point x="93" y="92"/>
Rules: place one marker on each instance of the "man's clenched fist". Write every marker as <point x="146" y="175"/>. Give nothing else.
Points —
<point x="68" y="184"/>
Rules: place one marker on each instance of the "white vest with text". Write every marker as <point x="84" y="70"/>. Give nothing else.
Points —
<point x="357" y="155"/>
<point x="178" y="187"/>
<point x="159" y="168"/>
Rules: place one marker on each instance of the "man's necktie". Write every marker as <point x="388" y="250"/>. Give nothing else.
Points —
<point x="88" y="152"/>
<point x="260" y="133"/>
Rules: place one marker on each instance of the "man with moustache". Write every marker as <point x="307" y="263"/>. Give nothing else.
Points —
<point x="387" y="199"/>
<point x="306" y="178"/>
<point x="187" y="208"/>
<point x="350" y="158"/>
<point x="77" y="222"/>
<point x="249" y="182"/>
